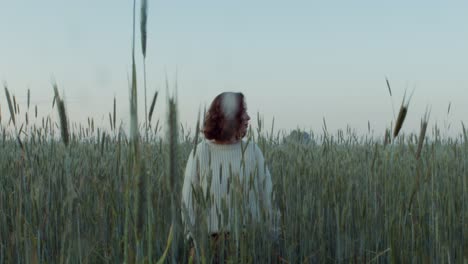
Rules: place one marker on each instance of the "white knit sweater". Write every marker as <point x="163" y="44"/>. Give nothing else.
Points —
<point x="232" y="169"/>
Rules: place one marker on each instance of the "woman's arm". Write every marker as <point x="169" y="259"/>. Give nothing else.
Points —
<point x="267" y="199"/>
<point x="187" y="205"/>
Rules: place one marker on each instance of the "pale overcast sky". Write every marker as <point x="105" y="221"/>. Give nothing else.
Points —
<point x="297" y="61"/>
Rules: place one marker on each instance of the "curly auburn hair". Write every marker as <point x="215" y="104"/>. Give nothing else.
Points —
<point x="224" y="117"/>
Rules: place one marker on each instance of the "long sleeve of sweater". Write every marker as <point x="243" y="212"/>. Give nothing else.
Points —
<point x="188" y="205"/>
<point x="267" y="198"/>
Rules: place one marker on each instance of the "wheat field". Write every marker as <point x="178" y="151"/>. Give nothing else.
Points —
<point x="93" y="193"/>
<point x="344" y="198"/>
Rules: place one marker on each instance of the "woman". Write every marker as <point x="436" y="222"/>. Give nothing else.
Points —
<point x="230" y="172"/>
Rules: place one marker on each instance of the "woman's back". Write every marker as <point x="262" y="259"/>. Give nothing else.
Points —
<point x="233" y="177"/>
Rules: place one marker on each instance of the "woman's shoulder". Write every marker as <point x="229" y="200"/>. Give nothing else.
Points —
<point x="201" y="148"/>
<point x="206" y="146"/>
<point x="251" y="147"/>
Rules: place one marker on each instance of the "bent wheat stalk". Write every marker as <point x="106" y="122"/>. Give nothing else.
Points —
<point x="402" y="115"/>
<point x="422" y="133"/>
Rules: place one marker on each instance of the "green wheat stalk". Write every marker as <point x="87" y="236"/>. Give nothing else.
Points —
<point x="10" y="106"/>
<point x="153" y="104"/>
<point x="62" y="117"/>
<point x="143" y="31"/>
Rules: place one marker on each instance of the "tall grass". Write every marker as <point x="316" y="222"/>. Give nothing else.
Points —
<point x="143" y="34"/>
<point x="110" y="198"/>
<point x="343" y="199"/>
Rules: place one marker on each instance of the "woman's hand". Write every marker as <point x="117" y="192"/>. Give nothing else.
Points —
<point x="191" y="255"/>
